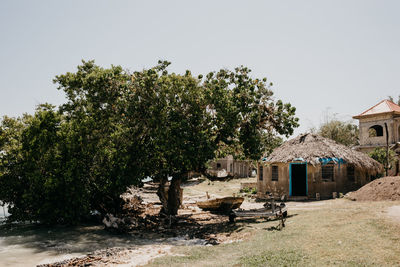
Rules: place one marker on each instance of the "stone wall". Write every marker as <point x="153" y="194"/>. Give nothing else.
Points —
<point x="393" y="130"/>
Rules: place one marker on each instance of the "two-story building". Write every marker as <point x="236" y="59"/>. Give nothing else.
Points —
<point x="379" y="126"/>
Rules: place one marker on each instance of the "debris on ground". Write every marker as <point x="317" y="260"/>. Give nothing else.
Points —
<point x="386" y="188"/>
<point x="191" y="227"/>
<point x="115" y="257"/>
<point x="141" y="218"/>
<point x="136" y="213"/>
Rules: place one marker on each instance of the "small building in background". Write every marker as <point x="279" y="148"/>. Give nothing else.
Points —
<point x="229" y="166"/>
<point x="372" y="129"/>
<point x="310" y="166"/>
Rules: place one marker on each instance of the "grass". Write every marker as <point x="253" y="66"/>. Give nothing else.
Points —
<point x="279" y="257"/>
<point x="338" y="233"/>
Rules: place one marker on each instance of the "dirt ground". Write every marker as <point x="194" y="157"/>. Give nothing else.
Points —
<point x="394" y="213"/>
<point x="335" y="232"/>
<point x="386" y="188"/>
<point x="194" y="227"/>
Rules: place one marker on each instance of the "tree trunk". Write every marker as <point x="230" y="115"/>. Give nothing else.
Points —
<point x="162" y="195"/>
<point x="174" y="195"/>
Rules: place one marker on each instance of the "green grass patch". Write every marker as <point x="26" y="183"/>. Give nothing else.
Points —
<point x="337" y="233"/>
<point x="280" y="257"/>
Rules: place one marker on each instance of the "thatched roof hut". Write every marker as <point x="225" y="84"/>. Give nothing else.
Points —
<point x="310" y="165"/>
<point x="312" y="148"/>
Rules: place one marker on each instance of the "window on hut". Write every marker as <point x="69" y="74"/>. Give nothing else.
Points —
<point x="327" y="173"/>
<point x="260" y="173"/>
<point x="350" y="173"/>
<point x="275" y="173"/>
<point x="218" y="165"/>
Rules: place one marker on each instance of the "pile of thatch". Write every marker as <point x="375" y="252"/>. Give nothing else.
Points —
<point x="312" y="147"/>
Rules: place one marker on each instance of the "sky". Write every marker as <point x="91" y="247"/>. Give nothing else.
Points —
<point x="327" y="58"/>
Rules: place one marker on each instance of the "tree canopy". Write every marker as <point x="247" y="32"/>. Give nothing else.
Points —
<point x="117" y="128"/>
<point x="380" y="154"/>
<point x="342" y="132"/>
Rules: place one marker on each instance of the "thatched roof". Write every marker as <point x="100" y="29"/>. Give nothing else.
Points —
<point x="312" y="148"/>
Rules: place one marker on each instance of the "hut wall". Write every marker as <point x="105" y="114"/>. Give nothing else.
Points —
<point x="280" y="187"/>
<point x="341" y="183"/>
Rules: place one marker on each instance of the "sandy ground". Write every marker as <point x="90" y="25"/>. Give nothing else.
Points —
<point x="214" y="225"/>
<point x="31" y="247"/>
<point x="119" y="256"/>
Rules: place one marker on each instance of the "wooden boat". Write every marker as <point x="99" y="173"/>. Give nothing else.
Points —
<point x="221" y="204"/>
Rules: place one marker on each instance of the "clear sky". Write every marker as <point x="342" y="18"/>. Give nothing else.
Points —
<point x="338" y="56"/>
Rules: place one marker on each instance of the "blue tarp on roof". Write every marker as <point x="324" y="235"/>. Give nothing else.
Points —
<point x="325" y="161"/>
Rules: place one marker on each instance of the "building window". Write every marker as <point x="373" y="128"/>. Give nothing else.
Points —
<point x="260" y="173"/>
<point x="218" y="165"/>
<point x="275" y="173"/>
<point x="231" y="167"/>
<point x="375" y="130"/>
<point x="350" y="173"/>
<point x="327" y="173"/>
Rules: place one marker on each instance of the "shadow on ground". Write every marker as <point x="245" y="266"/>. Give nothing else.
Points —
<point x="63" y="239"/>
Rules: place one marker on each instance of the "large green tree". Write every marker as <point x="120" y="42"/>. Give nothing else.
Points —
<point x="59" y="165"/>
<point x="36" y="179"/>
<point x="192" y="118"/>
<point x="105" y="148"/>
<point x="117" y="128"/>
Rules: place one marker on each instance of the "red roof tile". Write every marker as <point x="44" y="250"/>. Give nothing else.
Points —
<point x="385" y="106"/>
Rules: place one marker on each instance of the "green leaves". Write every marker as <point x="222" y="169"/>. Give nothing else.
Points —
<point x="380" y="155"/>
<point x="243" y="112"/>
<point x="342" y="132"/>
<point x="118" y="128"/>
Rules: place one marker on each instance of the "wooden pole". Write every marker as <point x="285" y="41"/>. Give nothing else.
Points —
<point x="387" y="149"/>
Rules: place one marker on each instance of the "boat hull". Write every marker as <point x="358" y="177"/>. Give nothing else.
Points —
<point x="221" y="204"/>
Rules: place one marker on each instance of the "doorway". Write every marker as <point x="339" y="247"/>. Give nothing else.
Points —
<point x="298" y="179"/>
